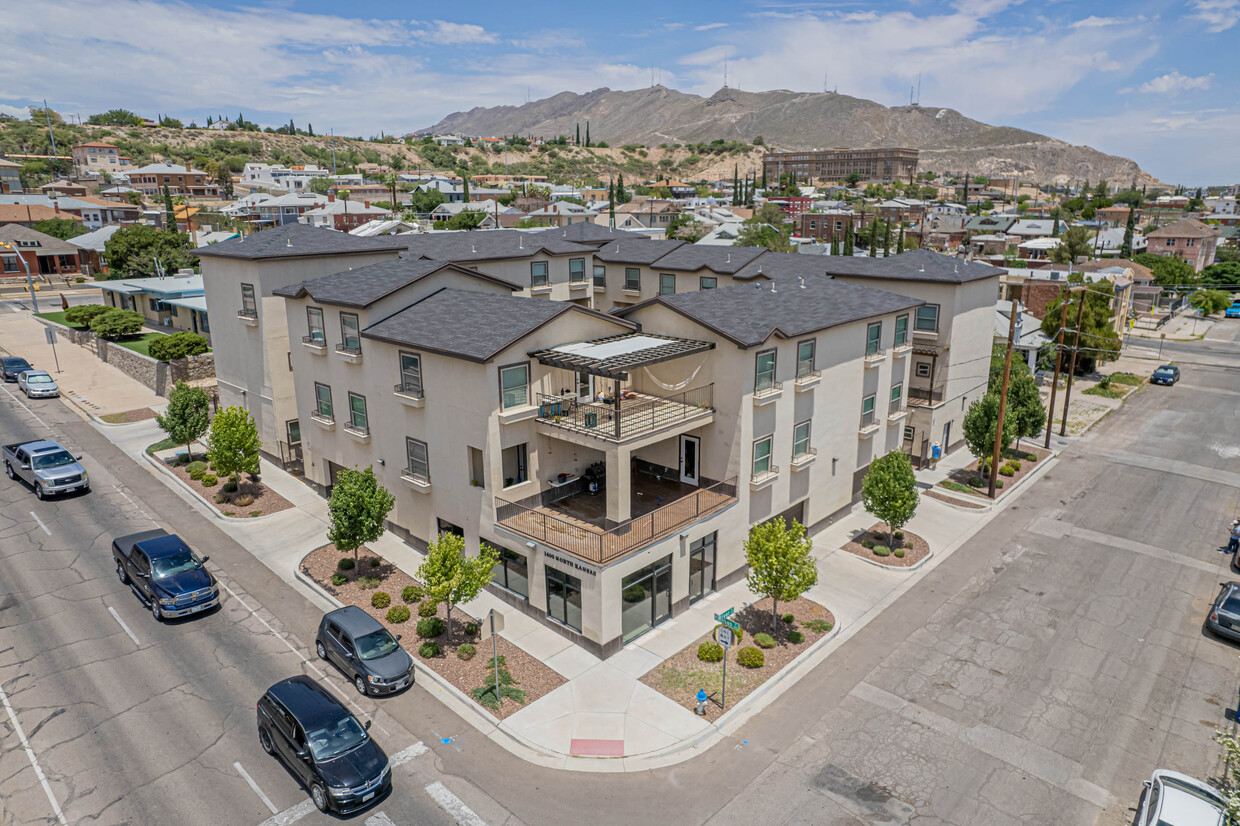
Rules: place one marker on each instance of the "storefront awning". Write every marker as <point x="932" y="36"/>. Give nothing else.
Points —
<point x="613" y="357"/>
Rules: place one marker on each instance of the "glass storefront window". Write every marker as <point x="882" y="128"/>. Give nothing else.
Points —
<point x="512" y="572"/>
<point x="645" y="598"/>
<point x="702" y="567"/>
<point x="564" y="598"/>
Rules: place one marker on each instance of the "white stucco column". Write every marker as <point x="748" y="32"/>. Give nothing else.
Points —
<point x="619" y="483"/>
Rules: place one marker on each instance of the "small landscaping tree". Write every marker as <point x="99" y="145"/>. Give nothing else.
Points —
<point x="1025" y="406"/>
<point x="979" y="428"/>
<point x="84" y="314"/>
<point x="232" y="447"/>
<point x="780" y="564"/>
<point x="452" y="577"/>
<point x="178" y="345"/>
<point x="188" y="416"/>
<point x="1210" y="302"/>
<point x="358" y="506"/>
<point x="889" y="491"/>
<point x="116" y="323"/>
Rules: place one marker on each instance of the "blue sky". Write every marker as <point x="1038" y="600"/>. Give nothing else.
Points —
<point x="1148" y="79"/>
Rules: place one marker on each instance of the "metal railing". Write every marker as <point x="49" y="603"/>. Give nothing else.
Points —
<point x="875" y="354"/>
<point x="314" y="341"/>
<point x="770" y="389"/>
<point x="896" y="410"/>
<point x="325" y="418"/>
<point x="806" y="373"/>
<point x="770" y="473"/>
<point x="248" y="313"/>
<point x="867" y="420"/>
<point x="925" y="394"/>
<point x="358" y="429"/>
<point x="808" y="453"/>
<point x="644" y="414"/>
<point x="407" y="388"/>
<point x="349" y="351"/>
<point x="601" y="546"/>
<point x="417" y="478"/>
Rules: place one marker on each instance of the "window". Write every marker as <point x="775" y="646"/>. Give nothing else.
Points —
<point x="314" y="325"/>
<point x="901" y="331"/>
<point x="805" y="358"/>
<point x="600" y="275"/>
<point x="514" y="385"/>
<point x="867" y="410"/>
<point x="577" y="270"/>
<point x="800" y="439"/>
<point x="512" y="572"/>
<point x="923" y="369"/>
<point x="417" y="459"/>
<point x="708" y="282"/>
<point x="515" y="464"/>
<point x="632" y="278"/>
<point x="349" y="338"/>
<point x="897" y="396"/>
<point x="538" y="273"/>
<point x="411" y="374"/>
<point x="323" y="402"/>
<point x="908" y="433"/>
<point x="813" y="224"/>
<point x="293" y="426"/>
<point x="10" y="263"/>
<point x="927" y="319"/>
<point x="249" y="308"/>
<point x="357" y="413"/>
<point x="1171" y="242"/>
<point x="762" y="456"/>
<point x="764" y="371"/>
<point x="564" y="598"/>
<point x="667" y="284"/>
<point x="873" y="337"/>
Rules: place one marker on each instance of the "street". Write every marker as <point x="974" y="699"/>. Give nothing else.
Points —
<point x="49" y="300"/>
<point x="1036" y="676"/>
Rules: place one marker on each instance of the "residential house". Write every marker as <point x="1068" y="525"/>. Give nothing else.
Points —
<point x="792" y="206"/>
<point x="43" y="254"/>
<point x="1145" y="292"/>
<point x="97" y="157"/>
<point x="827" y="225"/>
<point x="1028" y="338"/>
<point x="380" y="227"/>
<point x="162" y="302"/>
<point x="28" y="214"/>
<point x="678" y="189"/>
<point x="991" y="224"/>
<point x="646" y="212"/>
<point x="1038" y="288"/>
<point x="287" y="209"/>
<point x="1190" y="240"/>
<point x="56" y="188"/>
<point x="154" y="178"/>
<point x="1109" y="242"/>
<point x="562" y="214"/>
<point x="343" y="216"/>
<point x="10" y="177"/>
<point x="1117" y="215"/>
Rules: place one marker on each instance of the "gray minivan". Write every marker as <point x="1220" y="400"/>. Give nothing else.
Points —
<point x="364" y="650"/>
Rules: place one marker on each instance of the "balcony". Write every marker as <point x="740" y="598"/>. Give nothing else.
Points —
<point x="804" y="460"/>
<point x="576" y="522"/>
<point x="868" y="425"/>
<point x="772" y="391"/>
<point x="763" y="479"/>
<point x="248" y="316"/>
<point x="873" y="358"/>
<point x="902" y="349"/>
<point x="807" y="378"/>
<point x="351" y="354"/>
<point x="409" y="394"/>
<point x="324" y="420"/>
<point x="358" y="432"/>
<point x="925" y="396"/>
<point x="315" y="344"/>
<point x="637" y="414"/>
<point x="897" y="412"/>
<point x="419" y="482"/>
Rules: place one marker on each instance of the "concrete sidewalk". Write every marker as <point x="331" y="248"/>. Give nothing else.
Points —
<point x="1187" y="326"/>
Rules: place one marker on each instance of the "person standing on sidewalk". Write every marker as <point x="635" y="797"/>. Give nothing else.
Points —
<point x="1233" y="542"/>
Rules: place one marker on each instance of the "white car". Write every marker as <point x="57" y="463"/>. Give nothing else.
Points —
<point x="1175" y="799"/>
<point x="37" y="384"/>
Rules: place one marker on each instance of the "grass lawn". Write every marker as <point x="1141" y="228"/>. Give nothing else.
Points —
<point x="1105" y="392"/>
<point x="140" y="343"/>
<point x="1127" y="378"/>
<point x="59" y="318"/>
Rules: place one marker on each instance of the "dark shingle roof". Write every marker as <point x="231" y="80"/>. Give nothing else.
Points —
<point x="635" y="250"/>
<point x="722" y="260"/>
<point x="366" y="285"/>
<point x="916" y="265"/>
<point x="587" y="232"/>
<point x="489" y="244"/>
<point x="749" y="314"/>
<point x="471" y="325"/>
<point x="777" y="265"/>
<point x="294" y="240"/>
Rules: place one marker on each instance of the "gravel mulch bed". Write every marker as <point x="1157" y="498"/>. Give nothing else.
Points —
<point x="679" y="677"/>
<point x="952" y="500"/>
<point x="528" y="674"/>
<point x="140" y="415"/>
<point x="915" y="548"/>
<point x="263" y="500"/>
<point x="963" y="475"/>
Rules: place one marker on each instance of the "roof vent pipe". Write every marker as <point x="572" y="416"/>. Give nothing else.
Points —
<point x="729" y="258"/>
<point x="288" y="242"/>
<point x="473" y="247"/>
<point x="802" y="282"/>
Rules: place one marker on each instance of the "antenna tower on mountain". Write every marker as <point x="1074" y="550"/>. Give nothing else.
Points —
<point x="919" y="88"/>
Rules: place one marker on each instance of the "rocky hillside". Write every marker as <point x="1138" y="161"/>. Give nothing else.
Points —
<point x="800" y="120"/>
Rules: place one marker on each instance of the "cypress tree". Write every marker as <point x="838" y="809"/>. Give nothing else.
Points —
<point x="848" y="238"/>
<point x="887" y="239"/>
<point x="170" y="216"/>
<point x="587" y="133"/>
<point x="874" y="237"/>
<point x="900" y="243"/>
<point x="621" y="195"/>
<point x="835" y="246"/>
<point x="579" y="134"/>
<point x="1126" y="250"/>
<point x="735" y="185"/>
<point x="310" y="129"/>
<point x="465" y="180"/>
<point x="209" y="120"/>
<point x="763" y="176"/>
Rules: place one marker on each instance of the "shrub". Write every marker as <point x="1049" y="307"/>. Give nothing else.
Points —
<point x="244" y="500"/>
<point x="710" y="652"/>
<point x="81" y="279"/>
<point x="867" y="543"/>
<point x="881" y="550"/>
<point x="998" y="483"/>
<point x="411" y="593"/>
<point x="470" y="629"/>
<point x="196" y="470"/>
<point x="345" y="564"/>
<point x="898" y="535"/>
<point x="339" y="579"/>
<point x="1014" y="464"/>
<point x="230" y="486"/>
<point x="430" y="627"/>
<point x="737" y="636"/>
<point x="82" y="316"/>
<point x="796" y="637"/>
<point x="1006" y="470"/>
<point x="427" y="608"/>
<point x="116" y="323"/>
<point x="1031" y="457"/>
<point x="975" y="481"/>
<point x="428" y="649"/>
<point x="819" y="626"/>
<point x="375" y="562"/>
<point x="789" y="619"/>
<point x="367" y="583"/>
<point x="466" y="651"/>
<point x="764" y="640"/>
<point x="210" y="480"/>
<point x="380" y="599"/>
<point x="255" y="513"/>
<point x="177" y="345"/>
<point x="751" y="657"/>
<point x="398" y="614"/>
<point x="633" y="593"/>
<point x="220" y="498"/>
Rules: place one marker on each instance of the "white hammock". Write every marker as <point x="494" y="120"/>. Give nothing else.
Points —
<point x="680" y="385"/>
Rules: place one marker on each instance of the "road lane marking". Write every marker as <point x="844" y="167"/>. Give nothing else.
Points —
<point x="403" y="756"/>
<point x="40" y="521"/>
<point x="138" y="507"/>
<point x="27" y="409"/>
<point x="34" y="761"/>
<point x="1055" y="529"/>
<point x="241" y="771"/>
<point x="117" y="617"/>
<point x="291" y="814"/>
<point x="379" y="819"/>
<point x="453" y="805"/>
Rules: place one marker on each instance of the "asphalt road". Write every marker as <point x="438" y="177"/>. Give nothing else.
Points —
<point x="1036" y="676"/>
<point x="49" y="301"/>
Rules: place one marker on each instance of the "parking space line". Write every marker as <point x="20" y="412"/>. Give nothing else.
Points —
<point x="290" y="815"/>
<point x="403" y="756"/>
<point x="40" y="521"/>
<point x="117" y="617"/>
<point x="246" y="775"/>
<point x="34" y="761"/>
<point x="453" y="805"/>
<point x="27" y="409"/>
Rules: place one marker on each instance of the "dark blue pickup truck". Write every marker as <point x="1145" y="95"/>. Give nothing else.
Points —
<point x="165" y="574"/>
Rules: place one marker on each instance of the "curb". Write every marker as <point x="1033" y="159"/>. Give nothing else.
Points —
<point x="159" y="465"/>
<point x="897" y="568"/>
<point x="989" y="506"/>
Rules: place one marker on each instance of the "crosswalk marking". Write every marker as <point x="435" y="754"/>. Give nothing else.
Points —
<point x="453" y="805"/>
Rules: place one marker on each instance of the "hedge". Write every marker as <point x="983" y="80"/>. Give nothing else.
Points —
<point x="178" y="345"/>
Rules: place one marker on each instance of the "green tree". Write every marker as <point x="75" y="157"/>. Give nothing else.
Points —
<point x="1025" y="405"/>
<point x="319" y="186"/>
<point x="83" y="314"/>
<point x="889" y="491"/>
<point x="1168" y="272"/>
<point x="757" y="234"/>
<point x="178" y="345"/>
<point x="980" y="422"/>
<point x="188" y="415"/>
<point x="835" y="246"/>
<point x="1098" y="339"/>
<point x="422" y="203"/>
<point x="452" y="577"/>
<point x="848" y="239"/>
<point x="1224" y="273"/>
<point x="900" y="242"/>
<point x="467" y="219"/>
<point x="232" y="446"/>
<point x="1073" y="245"/>
<point x="1125" y="250"/>
<point x="116" y="323"/>
<point x="874" y="236"/>
<point x="1210" y="302"/>
<point x="852" y="180"/>
<point x="115" y="117"/>
<point x="887" y="239"/>
<point x="357" y="509"/>
<point x="465" y="184"/>
<point x="62" y="228"/>
<point x="132" y="250"/>
<point x="781" y="565"/>
<point x="170" y="218"/>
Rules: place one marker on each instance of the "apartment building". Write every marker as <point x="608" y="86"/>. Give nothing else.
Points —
<point x="10" y="177"/>
<point x="597" y="451"/>
<point x="153" y="178"/>
<point x="879" y="164"/>
<point x="97" y="157"/>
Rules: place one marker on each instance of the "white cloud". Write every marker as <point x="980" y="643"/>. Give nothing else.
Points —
<point x="708" y="57"/>
<point x="1219" y="15"/>
<point x="1094" y="22"/>
<point x="708" y="26"/>
<point x="1175" y="82"/>
<point x="444" y="33"/>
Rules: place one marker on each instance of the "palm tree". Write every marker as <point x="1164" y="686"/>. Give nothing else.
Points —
<point x="392" y="180"/>
<point x="344" y="196"/>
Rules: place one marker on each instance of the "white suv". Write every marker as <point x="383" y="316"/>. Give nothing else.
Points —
<point x="1176" y="799"/>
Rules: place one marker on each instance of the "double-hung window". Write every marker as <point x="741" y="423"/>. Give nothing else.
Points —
<point x="350" y="338"/>
<point x="411" y="374"/>
<point x="314" y="325"/>
<point x="600" y="275"/>
<point x="632" y="278"/>
<point x="897" y="397"/>
<point x="873" y="337"/>
<point x="357" y="413"/>
<point x="538" y="273"/>
<point x="867" y="410"/>
<point x="762" y="456"/>
<point x="805" y="358"/>
<point x="514" y="385"/>
<point x="927" y="319"/>
<point x="249" y="307"/>
<point x="576" y="270"/>
<point x="800" y="439"/>
<point x="901" y="338"/>
<point x="667" y="284"/>
<point x="323" y="402"/>
<point x="764" y="371"/>
<point x="418" y="460"/>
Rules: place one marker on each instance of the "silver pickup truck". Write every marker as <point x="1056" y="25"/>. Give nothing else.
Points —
<point x="46" y="466"/>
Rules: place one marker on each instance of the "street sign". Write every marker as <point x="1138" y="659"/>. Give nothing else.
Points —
<point x="495" y="624"/>
<point x="724" y="619"/>
<point x="50" y="334"/>
<point x="723" y="616"/>
<point x="724" y="635"/>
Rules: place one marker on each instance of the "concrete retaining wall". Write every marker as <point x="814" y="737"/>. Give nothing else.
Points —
<point x="159" y="376"/>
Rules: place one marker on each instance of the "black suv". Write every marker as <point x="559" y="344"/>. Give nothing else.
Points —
<point x="13" y="366"/>
<point x="364" y="650"/>
<point x="311" y="732"/>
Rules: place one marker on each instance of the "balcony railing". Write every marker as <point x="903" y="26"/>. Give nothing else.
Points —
<point x="639" y="414"/>
<point x="357" y="429"/>
<point x="416" y="478"/>
<point x="761" y="476"/>
<point x="348" y="350"/>
<point x="602" y="546"/>
<point x="895" y="411"/>
<point x="768" y="389"/>
<point x="314" y="341"/>
<point x="325" y="418"/>
<point x="410" y="389"/>
<point x="249" y="313"/>
<point x="924" y="396"/>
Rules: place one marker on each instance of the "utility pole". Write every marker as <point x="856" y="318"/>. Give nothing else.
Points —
<point x="1014" y="295"/>
<point x="333" y="134"/>
<point x="1050" y="410"/>
<point x="55" y="160"/>
<point x="1076" y="346"/>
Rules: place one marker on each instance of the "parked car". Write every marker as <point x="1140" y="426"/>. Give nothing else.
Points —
<point x="303" y="726"/>
<point x="37" y="384"/>
<point x="1233" y="311"/>
<point x="1174" y="799"/>
<point x="1167" y="374"/>
<point x="1224" y="616"/>
<point x="46" y="466"/>
<point x="13" y="366"/>
<point x="165" y="573"/>
<point x="364" y="650"/>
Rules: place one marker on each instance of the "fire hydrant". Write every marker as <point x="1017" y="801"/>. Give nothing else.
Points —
<point x="701" y="701"/>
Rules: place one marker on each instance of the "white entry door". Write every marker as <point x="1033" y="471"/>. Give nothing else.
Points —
<point x="690" y="449"/>
<point x="585" y="387"/>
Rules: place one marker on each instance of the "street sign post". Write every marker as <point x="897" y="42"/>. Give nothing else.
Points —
<point x="725" y="619"/>
<point x="50" y="334"/>
<point x="497" y="625"/>
<point x="725" y="637"/>
<point x="724" y="634"/>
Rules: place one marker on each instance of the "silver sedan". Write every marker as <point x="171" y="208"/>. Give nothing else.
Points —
<point x="1224" y="616"/>
<point x="37" y="384"/>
